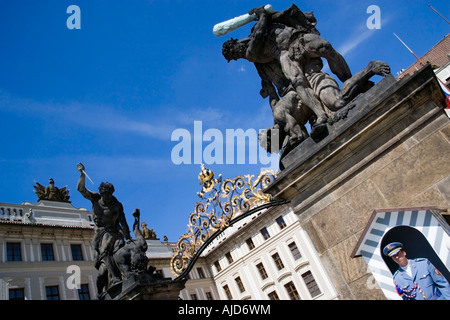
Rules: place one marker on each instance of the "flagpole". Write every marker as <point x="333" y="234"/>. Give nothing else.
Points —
<point x="421" y="62"/>
<point x="440" y="15"/>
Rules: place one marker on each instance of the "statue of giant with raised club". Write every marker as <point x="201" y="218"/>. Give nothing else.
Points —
<point x="285" y="48"/>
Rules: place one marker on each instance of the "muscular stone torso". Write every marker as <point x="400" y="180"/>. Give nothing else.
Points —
<point x="106" y="215"/>
<point x="277" y="39"/>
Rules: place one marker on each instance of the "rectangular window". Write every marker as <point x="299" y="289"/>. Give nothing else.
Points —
<point x="227" y="292"/>
<point x="273" y="295"/>
<point x="265" y="233"/>
<point x="52" y="292"/>
<point x="83" y="292"/>
<point x="201" y="275"/>
<point x="294" y="250"/>
<point x="77" y="255"/>
<point x="292" y="291"/>
<point x="276" y="258"/>
<point x="217" y="265"/>
<point x="311" y="284"/>
<point x="193" y="296"/>
<point x="229" y="257"/>
<point x="17" y="294"/>
<point x="47" y="252"/>
<point x="208" y="296"/>
<point x="13" y="251"/>
<point x="262" y="270"/>
<point x="281" y="222"/>
<point x="250" y="243"/>
<point x="240" y="284"/>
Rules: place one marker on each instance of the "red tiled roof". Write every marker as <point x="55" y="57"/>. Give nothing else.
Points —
<point x="436" y="56"/>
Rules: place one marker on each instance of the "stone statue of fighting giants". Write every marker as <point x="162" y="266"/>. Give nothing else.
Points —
<point x="115" y="258"/>
<point x="286" y="49"/>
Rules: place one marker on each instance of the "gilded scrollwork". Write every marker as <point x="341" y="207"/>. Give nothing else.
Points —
<point x="221" y="200"/>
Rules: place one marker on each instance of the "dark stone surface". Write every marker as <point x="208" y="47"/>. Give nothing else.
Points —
<point x="366" y="111"/>
<point x="145" y="287"/>
<point x="346" y="118"/>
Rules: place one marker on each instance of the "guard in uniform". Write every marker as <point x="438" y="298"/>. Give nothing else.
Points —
<point x="416" y="279"/>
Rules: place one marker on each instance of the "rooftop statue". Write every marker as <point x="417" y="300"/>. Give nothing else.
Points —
<point x="286" y="49"/>
<point x="51" y="192"/>
<point x="149" y="234"/>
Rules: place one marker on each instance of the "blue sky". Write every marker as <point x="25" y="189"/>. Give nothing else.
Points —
<point x="110" y="94"/>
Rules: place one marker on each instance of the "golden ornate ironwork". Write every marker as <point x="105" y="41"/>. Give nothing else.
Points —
<point x="221" y="201"/>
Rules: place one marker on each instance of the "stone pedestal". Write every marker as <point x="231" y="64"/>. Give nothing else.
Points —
<point x="392" y="150"/>
<point x="145" y="287"/>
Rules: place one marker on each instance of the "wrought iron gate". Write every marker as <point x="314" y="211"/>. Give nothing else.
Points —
<point x="224" y="202"/>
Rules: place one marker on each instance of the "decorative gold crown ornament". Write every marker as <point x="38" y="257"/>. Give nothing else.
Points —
<point x="205" y="175"/>
<point x="206" y="178"/>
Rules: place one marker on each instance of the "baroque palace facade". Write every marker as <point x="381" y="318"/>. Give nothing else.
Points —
<point x="264" y="256"/>
<point x="43" y="246"/>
